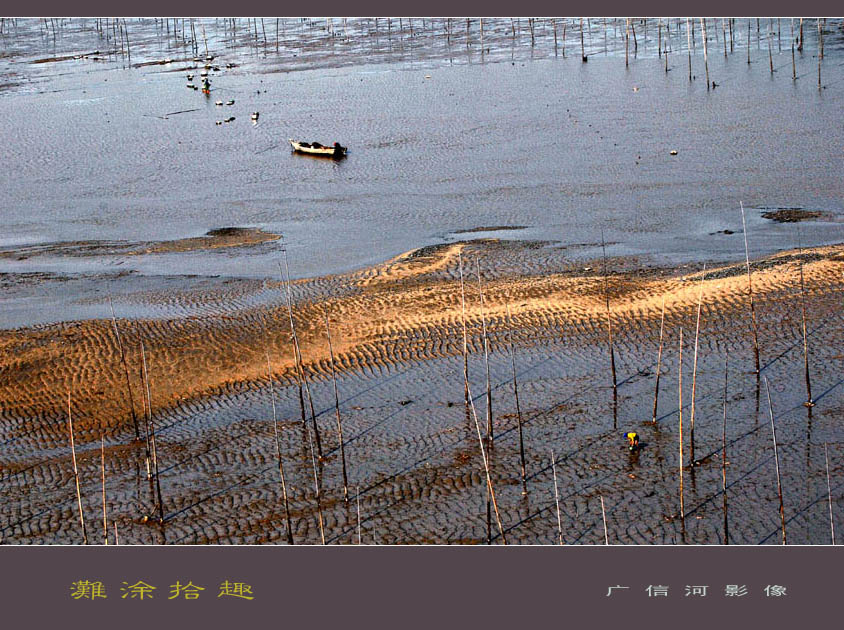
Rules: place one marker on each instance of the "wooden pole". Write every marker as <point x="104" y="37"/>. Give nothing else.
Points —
<point x="76" y="472"/>
<point x="489" y="427"/>
<point x="809" y="402"/>
<point x="316" y="488"/>
<point x="516" y="395"/>
<point x="829" y="495"/>
<point x="689" y="47"/>
<point x="278" y="451"/>
<point x="557" y="498"/>
<point x="490" y="488"/>
<point x="337" y="412"/>
<point x="705" y="54"/>
<point x="680" y="390"/>
<point x="724" y="459"/>
<point x="604" y="518"/>
<point x="125" y="370"/>
<point x="465" y="337"/>
<point x="298" y="359"/>
<point x="750" y="293"/>
<point x="357" y="500"/>
<point x="658" y="361"/>
<point x="694" y="374"/>
<point x="582" y="48"/>
<point x="102" y="471"/>
<point x="152" y="438"/>
<point x="610" y="338"/>
<point x="776" y="460"/>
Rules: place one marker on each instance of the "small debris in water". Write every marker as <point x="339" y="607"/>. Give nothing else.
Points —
<point x="231" y="102"/>
<point x="673" y="152"/>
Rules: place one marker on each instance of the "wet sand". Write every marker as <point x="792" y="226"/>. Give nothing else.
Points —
<point x="414" y="459"/>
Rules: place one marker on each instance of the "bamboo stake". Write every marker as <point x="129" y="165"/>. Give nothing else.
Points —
<point x="776" y="460"/>
<point x="116" y="538"/>
<point x="102" y="470"/>
<point x="465" y="339"/>
<point x="694" y="374"/>
<point x="125" y="369"/>
<point x="680" y="390"/>
<point x="489" y="428"/>
<point x="748" y="42"/>
<point x="76" y="472"/>
<point x="689" y="47"/>
<point x="278" y="451"/>
<point x="724" y="459"/>
<point x="610" y="339"/>
<point x="516" y="394"/>
<point x="357" y="499"/>
<point x="705" y="54"/>
<point x="337" y="411"/>
<point x="490" y="487"/>
<point x="316" y="487"/>
<point x="582" y="49"/>
<point x="750" y="292"/>
<point x="557" y="497"/>
<point x="659" y="360"/>
<point x="604" y="517"/>
<point x="302" y="375"/>
<point x="809" y="402"/>
<point x="152" y="438"/>
<point x="793" y="65"/>
<point x="829" y="495"/>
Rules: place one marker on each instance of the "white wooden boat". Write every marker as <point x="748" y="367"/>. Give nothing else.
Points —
<point x="315" y="148"/>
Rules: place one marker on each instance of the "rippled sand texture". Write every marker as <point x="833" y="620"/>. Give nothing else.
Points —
<point x="414" y="461"/>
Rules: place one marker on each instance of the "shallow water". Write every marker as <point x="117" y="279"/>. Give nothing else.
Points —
<point x="564" y="148"/>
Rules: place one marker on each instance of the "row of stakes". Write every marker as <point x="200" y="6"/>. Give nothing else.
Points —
<point x="206" y="88"/>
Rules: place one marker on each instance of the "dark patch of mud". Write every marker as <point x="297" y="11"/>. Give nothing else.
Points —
<point x="494" y="228"/>
<point x="794" y="215"/>
<point x="214" y="239"/>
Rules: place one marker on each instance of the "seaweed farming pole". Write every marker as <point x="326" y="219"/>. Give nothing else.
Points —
<point x="489" y="429"/>
<point x="152" y="437"/>
<point x="582" y="49"/>
<point x="680" y="410"/>
<point x="748" y="41"/>
<point x="465" y="340"/>
<point x="809" y="402"/>
<point x="516" y="395"/>
<point x="626" y="42"/>
<point x="337" y="411"/>
<point x="724" y="458"/>
<point x="102" y="471"/>
<point x="658" y="360"/>
<point x="604" y="518"/>
<point x="793" y="65"/>
<point x="689" y="47"/>
<point x="125" y="369"/>
<point x="610" y="339"/>
<point x="317" y="493"/>
<point x="490" y="488"/>
<point x="776" y="460"/>
<point x="278" y="453"/>
<point x="705" y="54"/>
<point x="820" y="52"/>
<point x="557" y="497"/>
<point x="76" y="472"/>
<point x="357" y="499"/>
<point x="297" y="352"/>
<point x="750" y="290"/>
<point x="829" y="495"/>
<point x="694" y="374"/>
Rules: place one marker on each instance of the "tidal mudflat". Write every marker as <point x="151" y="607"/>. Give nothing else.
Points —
<point x="146" y="302"/>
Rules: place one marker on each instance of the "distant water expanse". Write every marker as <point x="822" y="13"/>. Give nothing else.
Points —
<point x="444" y="137"/>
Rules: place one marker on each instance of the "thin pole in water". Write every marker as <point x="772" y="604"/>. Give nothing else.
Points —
<point x="776" y="460"/>
<point x="76" y="471"/>
<point x="557" y="497"/>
